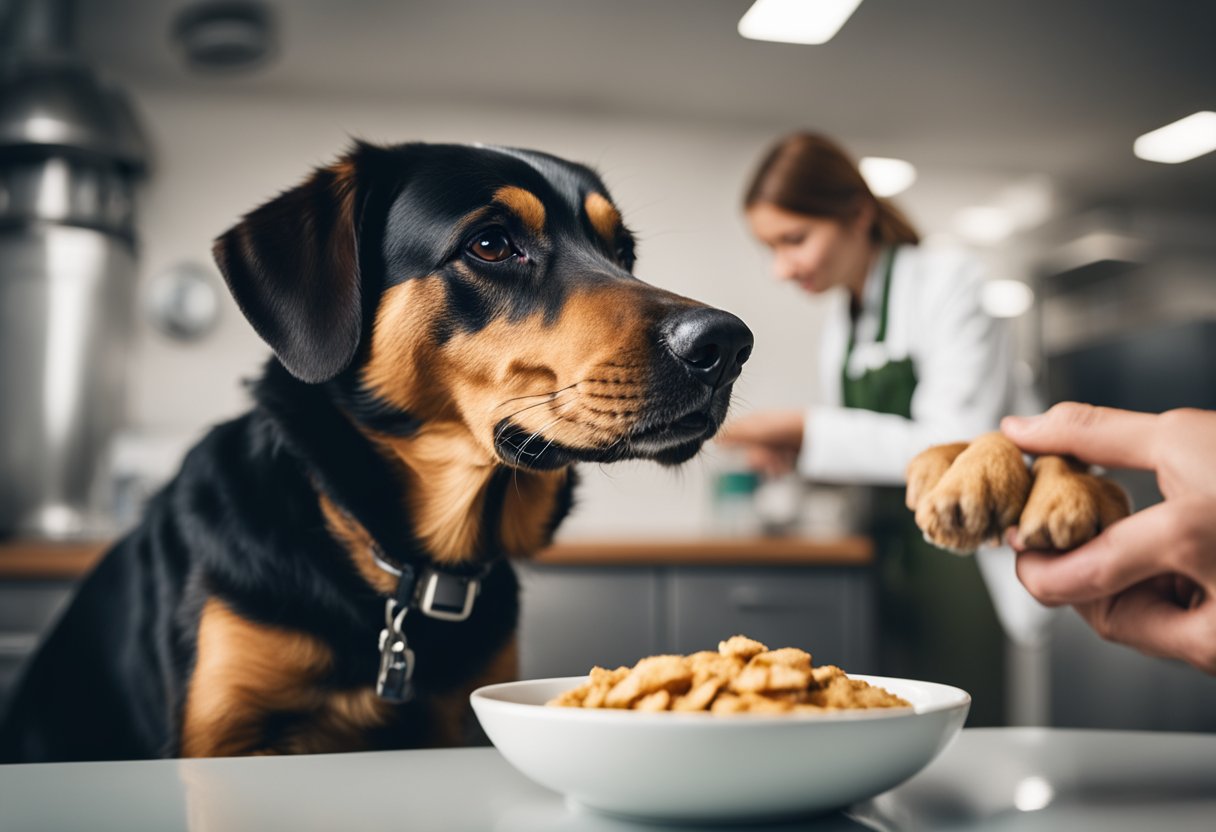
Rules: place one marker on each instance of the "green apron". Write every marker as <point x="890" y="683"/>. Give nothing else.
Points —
<point x="936" y="621"/>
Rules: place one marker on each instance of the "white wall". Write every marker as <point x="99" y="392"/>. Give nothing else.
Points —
<point x="678" y="184"/>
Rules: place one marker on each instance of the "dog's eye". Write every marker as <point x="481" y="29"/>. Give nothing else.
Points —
<point x="492" y="245"/>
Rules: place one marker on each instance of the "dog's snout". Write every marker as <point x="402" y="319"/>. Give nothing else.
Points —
<point x="712" y="344"/>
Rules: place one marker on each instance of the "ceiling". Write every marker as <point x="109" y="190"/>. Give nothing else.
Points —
<point x="1012" y="87"/>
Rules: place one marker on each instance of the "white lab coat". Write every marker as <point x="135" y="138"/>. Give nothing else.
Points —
<point x="962" y="357"/>
<point x="965" y="383"/>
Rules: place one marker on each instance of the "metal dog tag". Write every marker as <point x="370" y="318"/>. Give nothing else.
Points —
<point x="394" y="683"/>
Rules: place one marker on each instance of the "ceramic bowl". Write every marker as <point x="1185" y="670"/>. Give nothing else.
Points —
<point x="695" y="767"/>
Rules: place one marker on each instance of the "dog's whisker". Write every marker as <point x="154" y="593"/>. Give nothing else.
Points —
<point x="529" y="407"/>
<point x="523" y="449"/>
<point x="506" y="421"/>
<point x="552" y="398"/>
<point x="550" y="394"/>
<point x="557" y="418"/>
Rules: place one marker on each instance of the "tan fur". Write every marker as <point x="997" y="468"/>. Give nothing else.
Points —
<point x="358" y="543"/>
<point x="927" y="469"/>
<point x="605" y="218"/>
<point x="401" y="364"/>
<point x="578" y="381"/>
<point x="525" y="205"/>
<point x="447" y="474"/>
<point x="528" y="509"/>
<point x="247" y="671"/>
<point x="968" y="494"/>
<point x="447" y="507"/>
<point x="1068" y="506"/>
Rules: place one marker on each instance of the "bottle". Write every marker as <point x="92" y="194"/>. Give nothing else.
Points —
<point x="778" y="502"/>
<point x="734" y="507"/>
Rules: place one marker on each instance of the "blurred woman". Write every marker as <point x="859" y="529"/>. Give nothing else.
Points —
<point x="907" y="359"/>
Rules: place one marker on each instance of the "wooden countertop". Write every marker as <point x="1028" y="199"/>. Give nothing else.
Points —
<point x="711" y="551"/>
<point x="36" y="560"/>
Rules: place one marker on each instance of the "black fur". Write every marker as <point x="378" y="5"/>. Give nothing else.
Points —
<point x="240" y="522"/>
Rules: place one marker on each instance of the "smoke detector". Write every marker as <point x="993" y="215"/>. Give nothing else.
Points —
<point x="225" y="37"/>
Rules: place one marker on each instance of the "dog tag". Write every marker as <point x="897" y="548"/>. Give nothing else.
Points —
<point x="393" y="683"/>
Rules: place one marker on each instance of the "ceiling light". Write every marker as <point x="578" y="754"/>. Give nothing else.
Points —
<point x="983" y="224"/>
<point x="1029" y="202"/>
<point x="1006" y="298"/>
<point x="1181" y="141"/>
<point x="887" y="177"/>
<point x="796" y="21"/>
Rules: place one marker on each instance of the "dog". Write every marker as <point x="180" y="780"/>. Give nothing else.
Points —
<point x="453" y="327"/>
<point x="967" y="494"/>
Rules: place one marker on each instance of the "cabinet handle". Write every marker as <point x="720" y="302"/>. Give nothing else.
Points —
<point x="754" y="598"/>
<point x="17" y="645"/>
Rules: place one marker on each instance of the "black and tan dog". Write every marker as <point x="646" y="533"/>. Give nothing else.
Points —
<point x="453" y="327"/>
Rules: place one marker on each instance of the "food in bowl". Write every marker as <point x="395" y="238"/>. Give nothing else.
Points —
<point x="743" y="676"/>
<point x="701" y="768"/>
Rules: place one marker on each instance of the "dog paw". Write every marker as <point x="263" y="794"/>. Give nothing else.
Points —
<point x="980" y="494"/>
<point x="1067" y="506"/>
<point x="926" y="470"/>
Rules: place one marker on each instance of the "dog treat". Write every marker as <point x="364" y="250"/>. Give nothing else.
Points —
<point x="743" y="676"/>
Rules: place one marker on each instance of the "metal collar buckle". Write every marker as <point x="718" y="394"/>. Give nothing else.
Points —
<point x="446" y="596"/>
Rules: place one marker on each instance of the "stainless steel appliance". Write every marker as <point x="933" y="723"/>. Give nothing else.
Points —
<point x="70" y="157"/>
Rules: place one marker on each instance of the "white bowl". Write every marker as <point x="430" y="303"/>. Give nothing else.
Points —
<point x="699" y="767"/>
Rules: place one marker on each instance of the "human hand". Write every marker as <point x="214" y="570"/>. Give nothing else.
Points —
<point x="1148" y="581"/>
<point x="770" y="440"/>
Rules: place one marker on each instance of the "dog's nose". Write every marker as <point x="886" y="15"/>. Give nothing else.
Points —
<point x="713" y="344"/>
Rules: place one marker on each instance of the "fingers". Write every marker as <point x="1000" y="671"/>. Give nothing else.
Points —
<point x="774" y="428"/>
<point x="770" y="462"/>
<point x="1129" y="552"/>
<point x="1152" y="622"/>
<point x="1098" y="435"/>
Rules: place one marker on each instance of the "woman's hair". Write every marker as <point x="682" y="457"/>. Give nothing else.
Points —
<point x="806" y="173"/>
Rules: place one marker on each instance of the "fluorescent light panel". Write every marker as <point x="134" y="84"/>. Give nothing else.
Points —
<point x="796" y="21"/>
<point x="1180" y="141"/>
<point x="887" y="177"/>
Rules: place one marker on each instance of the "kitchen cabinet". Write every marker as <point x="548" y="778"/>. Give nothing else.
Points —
<point x="27" y="610"/>
<point x="577" y="616"/>
<point x="606" y="602"/>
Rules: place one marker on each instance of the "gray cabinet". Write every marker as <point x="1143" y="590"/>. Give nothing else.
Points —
<point x="825" y="612"/>
<point x="574" y="617"/>
<point x="27" y="611"/>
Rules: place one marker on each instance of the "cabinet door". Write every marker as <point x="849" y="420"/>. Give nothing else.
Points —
<point x="27" y="611"/>
<point x="576" y="617"/>
<point x="827" y="612"/>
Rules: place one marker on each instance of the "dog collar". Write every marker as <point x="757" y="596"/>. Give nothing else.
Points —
<point x="443" y="594"/>
<point x="434" y="592"/>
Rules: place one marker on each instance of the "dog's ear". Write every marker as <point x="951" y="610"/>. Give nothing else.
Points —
<point x="293" y="267"/>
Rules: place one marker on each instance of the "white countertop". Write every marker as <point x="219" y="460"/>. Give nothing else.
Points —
<point x="1006" y="779"/>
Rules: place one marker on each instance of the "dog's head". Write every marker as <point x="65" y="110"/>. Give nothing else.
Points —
<point x="485" y="288"/>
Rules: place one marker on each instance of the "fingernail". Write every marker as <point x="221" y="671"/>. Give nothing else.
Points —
<point x="1019" y="423"/>
<point x="1014" y="539"/>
